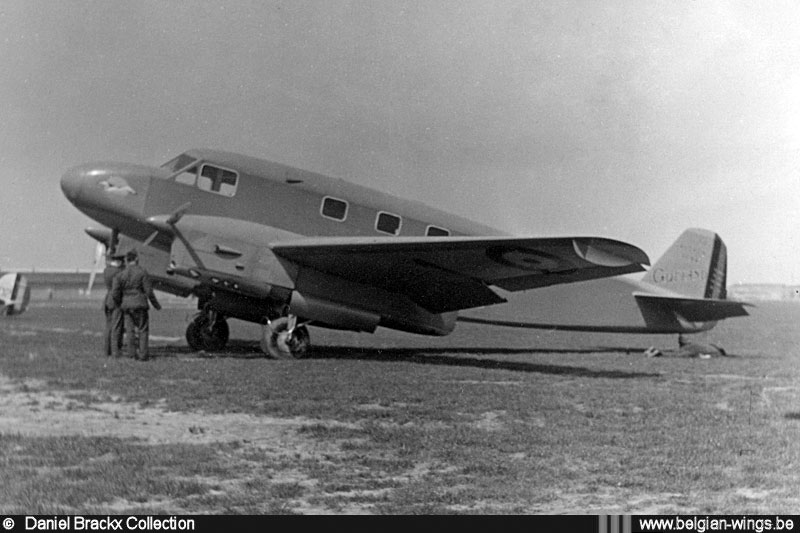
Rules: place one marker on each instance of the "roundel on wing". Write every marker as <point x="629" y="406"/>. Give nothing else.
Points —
<point x="524" y="259"/>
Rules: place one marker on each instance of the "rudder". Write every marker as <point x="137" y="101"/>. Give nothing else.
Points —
<point x="695" y="266"/>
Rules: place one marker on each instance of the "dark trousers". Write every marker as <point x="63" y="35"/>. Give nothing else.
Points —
<point x="113" y="333"/>
<point x="137" y="326"/>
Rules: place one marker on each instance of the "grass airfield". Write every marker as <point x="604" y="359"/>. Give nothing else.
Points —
<point x="488" y="420"/>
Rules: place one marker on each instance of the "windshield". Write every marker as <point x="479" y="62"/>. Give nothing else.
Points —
<point x="178" y="163"/>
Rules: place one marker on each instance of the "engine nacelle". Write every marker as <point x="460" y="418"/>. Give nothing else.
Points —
<point x="332" y="314"/>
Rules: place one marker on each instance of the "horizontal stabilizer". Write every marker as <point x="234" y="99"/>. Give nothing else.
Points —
<point x="694" y="309"/>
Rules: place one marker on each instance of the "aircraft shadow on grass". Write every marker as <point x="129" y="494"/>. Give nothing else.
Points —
<point x="429" y="356"/>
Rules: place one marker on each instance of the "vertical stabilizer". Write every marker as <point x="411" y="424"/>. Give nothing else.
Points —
<point x="695" y="266"/>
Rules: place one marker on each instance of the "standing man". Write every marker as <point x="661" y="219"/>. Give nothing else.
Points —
<point x="113" y="333"/>
<point x="131" y="291"/>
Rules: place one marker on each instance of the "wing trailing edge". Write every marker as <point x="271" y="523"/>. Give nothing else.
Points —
<point x="444" y="274"/>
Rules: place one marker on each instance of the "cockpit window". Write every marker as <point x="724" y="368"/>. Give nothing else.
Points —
<point x="217" y="180"/>
<point x="188" y="176"/>
<point x="178" y="163"/>
<point x="188" y="170"/>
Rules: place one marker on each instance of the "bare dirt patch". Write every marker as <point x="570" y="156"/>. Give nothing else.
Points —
<point x="281" y="456"/>
<point x="29" y="408"/>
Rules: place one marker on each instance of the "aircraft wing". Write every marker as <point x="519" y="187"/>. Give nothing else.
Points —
<point x="444" y="274"/>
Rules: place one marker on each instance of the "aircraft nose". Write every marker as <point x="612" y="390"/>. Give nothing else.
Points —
<point x="72" y="181"/>
<point x="109" y="192"/>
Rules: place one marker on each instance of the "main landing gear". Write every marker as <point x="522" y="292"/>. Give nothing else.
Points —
<point x="284" y="338"/>
<point x="208" y="331"/>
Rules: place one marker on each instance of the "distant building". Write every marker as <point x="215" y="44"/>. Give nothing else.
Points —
<point x="70" y="284"/>
<point x="59" y="284"/>
<point x="764" y="292"/>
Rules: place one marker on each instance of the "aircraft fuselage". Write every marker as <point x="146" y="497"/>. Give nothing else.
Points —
<point x="246" y="203"/>
<point x="258" y="240"/>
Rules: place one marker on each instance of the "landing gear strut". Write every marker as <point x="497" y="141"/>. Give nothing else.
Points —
<point x="283" y="338"/>
<point x="208" y="331"/>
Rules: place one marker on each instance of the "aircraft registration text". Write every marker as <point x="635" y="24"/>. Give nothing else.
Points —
<point x="678" y="276"/>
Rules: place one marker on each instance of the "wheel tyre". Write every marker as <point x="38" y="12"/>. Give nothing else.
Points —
<point x="278" y="343"/>
<point x="193" y="335"/>
<point x="199" y="337"/>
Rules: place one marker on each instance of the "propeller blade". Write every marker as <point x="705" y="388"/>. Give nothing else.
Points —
<point x="99" y="253"/>
<point x="178" y="213"/>
<point x="147" y="241"/>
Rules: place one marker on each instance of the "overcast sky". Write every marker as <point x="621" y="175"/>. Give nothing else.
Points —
<point x="624" y="119"/>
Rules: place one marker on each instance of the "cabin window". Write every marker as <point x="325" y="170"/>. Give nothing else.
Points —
<point x="217" y="180"/>
<point x="388" y="223"/>
<point x="435" y="231"/>
<point x="334" y="208"/>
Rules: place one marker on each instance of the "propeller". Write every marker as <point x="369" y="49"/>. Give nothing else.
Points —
<point x="99" y="254"/>
<point x="167" y="224"/>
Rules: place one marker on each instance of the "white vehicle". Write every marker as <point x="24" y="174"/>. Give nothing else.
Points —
<point x="14" y="294"/>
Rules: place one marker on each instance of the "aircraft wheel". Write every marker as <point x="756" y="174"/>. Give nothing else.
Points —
<point x="283" y="340"/>
<point x="202" y="336"/>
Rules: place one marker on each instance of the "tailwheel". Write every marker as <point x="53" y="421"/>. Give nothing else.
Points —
<point x="283" y="338"/>
<point x="208" y="331"/>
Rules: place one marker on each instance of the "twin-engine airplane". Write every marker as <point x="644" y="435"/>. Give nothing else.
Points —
<point x="14" y="294"/>
<point x="288" y="248"/>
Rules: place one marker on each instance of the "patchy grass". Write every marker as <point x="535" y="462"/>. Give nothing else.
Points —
<point x="485" y="421"/>
<point x="79" y="474"/>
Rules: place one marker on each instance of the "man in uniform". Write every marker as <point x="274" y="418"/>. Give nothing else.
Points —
<point x="113" y="333"/>
<point x="131" y="291"/>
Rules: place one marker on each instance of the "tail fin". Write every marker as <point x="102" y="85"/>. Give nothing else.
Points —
<point x="695" y="266"/>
